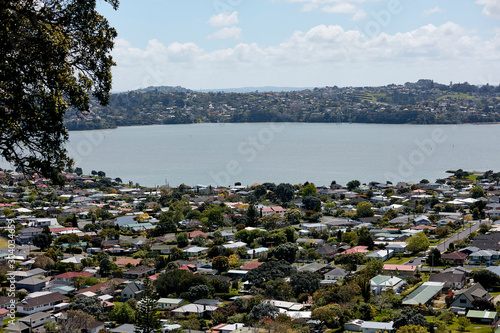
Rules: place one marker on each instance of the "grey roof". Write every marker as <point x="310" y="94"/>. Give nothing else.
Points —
<point x="125" y="328"/>
<point x="423" y="294"/>
<point x="31" y="281"/>
<point x="475" y="291"/>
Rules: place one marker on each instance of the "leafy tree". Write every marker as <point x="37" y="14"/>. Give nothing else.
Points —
<point x="268" y="271"/>
<point x="477" y="192"/>
<point x="305" y="282"/>
<point x="285" y="192"/>
<point x="312" y="203"/>
<point x="264" y="310"/>
<point x="418" y="242"/>
<point x="43" y="262"/>
<point x="349" y="237"/>
<point x="52" y="57"/>
<point x="252" y="215"/>
<point x="373" y="268"/>
<point x="483" y="304"/>
<point x="309" y="189"/>
<point x="435" y="254"/>
<point x="122" y="313"/>
<point x="221" y="264"/>
<point x="90" y="305"/>
<point x="486" y="278"/>
<point x="42" y="240"/>
<point x="147" y="321"/>
<point x="328" y="315"/>
<point x="285" y="252"/>
<point x="182" y="239"/>
<point x="409" y="317"/>
<point x="463" y="323"/>
<point x="198" y="292"/>
<point x="75" y="321"/>
<point x="353" y="184"/>
<point x="412" y="329"/>
<point x="365" y="238"/>
<point x="364" y="209"/>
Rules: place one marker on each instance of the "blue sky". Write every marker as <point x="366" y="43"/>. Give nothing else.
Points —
<point x="202" y="44"/>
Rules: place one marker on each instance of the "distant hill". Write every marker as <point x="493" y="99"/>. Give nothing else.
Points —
<point x="164" y="89"/>
<point x="422" y="102"/>
<point x="254" y="89"/>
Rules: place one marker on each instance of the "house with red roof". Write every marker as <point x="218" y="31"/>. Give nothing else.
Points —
<point x="70" y="277"/>
<point x="195" y="233"/>
<point x="454" y="258"/>
<point x="251" y="265"/>
<point x="122" y="262"/>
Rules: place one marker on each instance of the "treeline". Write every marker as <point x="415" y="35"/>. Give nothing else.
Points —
<point x="423" y="102"/>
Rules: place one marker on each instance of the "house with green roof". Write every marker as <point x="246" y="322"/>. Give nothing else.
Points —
<point x="424" y="294"/>
<point x="487" y="317"/>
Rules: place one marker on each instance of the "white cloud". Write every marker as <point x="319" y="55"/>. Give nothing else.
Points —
<point x="431" y="11"/>
<point x="491" y="7"/>
<point x="224" y="19"/>
<point x="226" y="33"/>
<point x="335" y="7"/>
<point x="323" y="55"/>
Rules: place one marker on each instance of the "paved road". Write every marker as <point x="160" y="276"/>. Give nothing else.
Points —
<point x="473" y="226"/>
<point x="443" y="246"/>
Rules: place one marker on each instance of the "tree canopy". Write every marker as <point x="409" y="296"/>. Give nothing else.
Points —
<point x="53" y="55"/>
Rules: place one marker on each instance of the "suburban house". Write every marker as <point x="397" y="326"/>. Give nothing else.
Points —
<point x="200" y="310"/>
<point x="41" y="303"/>
<point x="399" y="270"/>
<point x="484" y="317"/>
<point x="195" y="251"/>
<point x="169" y="303"/>
<point x="337" y="273"/>
<point x="20" y="275"/>
<point x="454" y="258"/>
<point x="450" y="280"/>
<point x="70" y="277"/>
<point x="132" y="290"/>
<point x="381" y="254"/>
<point x="37" y="319"/>
<point x="31" y="284"/>
<point x="464" y="298"/>
<point x="255" y="253"/>
<point x="358" y="325"/>
<point x="26" y="235"/>
<point x="380" y="283"/>
<point x="397" y="247"/>
<point x="424" y="294"/>
<point x="484" y="256"/>
<point x="139" y="272"/>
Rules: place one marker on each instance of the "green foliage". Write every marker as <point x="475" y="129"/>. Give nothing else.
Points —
<point x="409" y="317"/>
<point x="268" y="271"/>
<point x="51" y="59"/>
<point x="263" y="310"/>
<point x="364" y="209"/>
<point x="486" y="278"/>
<point x="90" y="305"/>
<point x="418" y="242"/>
<point x="147" y="321"/>
<point x="122" y="313"/>
<point x="285" y="252"/>
<point x="42" y="240"/>
<point x="305" y="282"/>
<point x="221" y="264"/>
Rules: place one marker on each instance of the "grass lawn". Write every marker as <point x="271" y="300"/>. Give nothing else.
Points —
<point x="396" y="261"/>
<point x="7" y="321"/>
<point x="3" y="243"/>
<point x="476" y="328"/>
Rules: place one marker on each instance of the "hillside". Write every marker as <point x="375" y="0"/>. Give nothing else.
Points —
<point x="423" y="102"/>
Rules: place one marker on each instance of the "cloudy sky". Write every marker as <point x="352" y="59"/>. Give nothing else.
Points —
<point x="212" y="44"/>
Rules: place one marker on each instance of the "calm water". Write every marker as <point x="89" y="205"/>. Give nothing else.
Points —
<point x="222" y="154"/>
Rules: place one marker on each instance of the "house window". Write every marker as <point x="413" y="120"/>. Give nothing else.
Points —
<point x="463" y="301"/>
